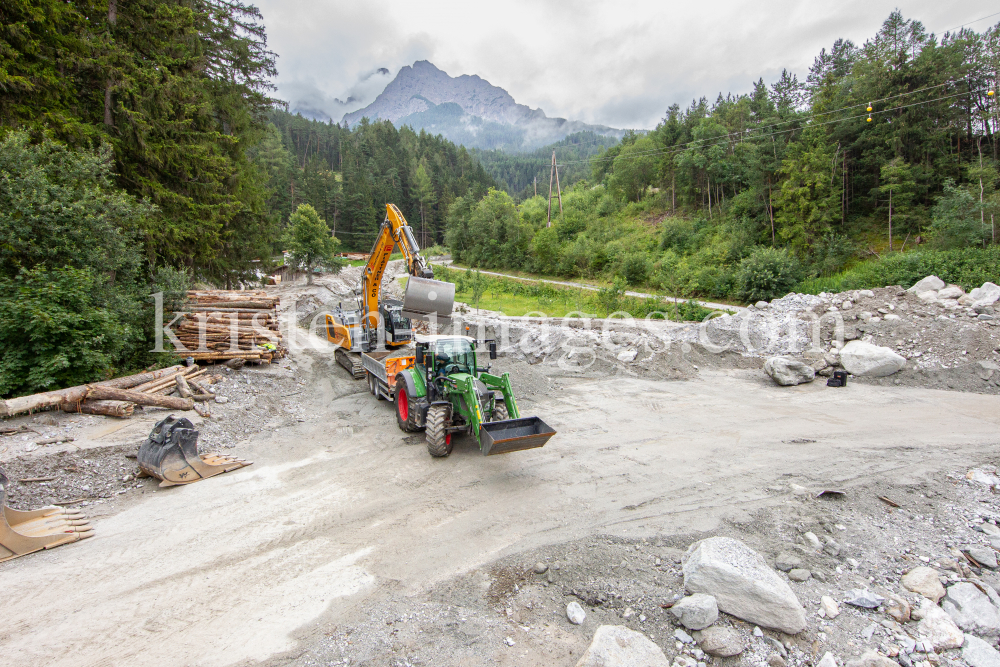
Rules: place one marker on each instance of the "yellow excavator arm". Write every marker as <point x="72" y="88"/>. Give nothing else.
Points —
<point x="395" y="231"/>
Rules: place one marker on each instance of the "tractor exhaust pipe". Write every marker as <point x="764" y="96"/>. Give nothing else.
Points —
<point x="425" y="297"/>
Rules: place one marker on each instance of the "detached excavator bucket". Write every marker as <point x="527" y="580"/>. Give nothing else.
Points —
<point x="511" y="435"/>
<point x="25" y="532"/>
<point x="425" y="297"/>
<point x="170" y="454"/>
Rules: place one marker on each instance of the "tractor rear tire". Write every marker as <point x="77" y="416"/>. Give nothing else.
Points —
<point x="500" y="411"/>
<point x="438" y="439"/>
<point x="406" y="413"/>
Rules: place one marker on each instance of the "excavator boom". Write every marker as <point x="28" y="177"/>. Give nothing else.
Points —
<point x="424" y="297"/>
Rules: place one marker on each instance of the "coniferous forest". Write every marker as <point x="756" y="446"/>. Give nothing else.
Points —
<point x="142" y="150"/>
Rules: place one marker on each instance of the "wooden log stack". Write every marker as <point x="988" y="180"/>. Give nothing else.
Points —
<point x="230" y="324"/>
<point x="118" y="397"/>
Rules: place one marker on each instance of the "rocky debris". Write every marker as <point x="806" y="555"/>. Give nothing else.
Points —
<point x="951" y="292"/>
<point x="787" y="561"/>
<point x="924" y="581"/>
<point x="721" y="642"/>
<point x="575" y="613"/>
<point x="540" y="568"/>
<point x="872" y="658"/>
<point x="978" y="653"/>
<point x="799" y="574"/>
<point x="618" y="646"/>
<point x="683" y="637"/>
<point x="986" y="295"/>
<point x="972" y="610"/>
<point x="696" y="612"/>
<point x="867" y="360"/>
<point x="937" y="628"/>
<point x="742" y="583"/>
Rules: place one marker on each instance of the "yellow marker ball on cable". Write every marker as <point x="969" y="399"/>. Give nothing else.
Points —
<point x="869" y="119"/>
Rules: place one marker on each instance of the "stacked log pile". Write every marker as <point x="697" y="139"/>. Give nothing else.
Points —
<point x="118" y="397"/>
<point x="230" y="324"/>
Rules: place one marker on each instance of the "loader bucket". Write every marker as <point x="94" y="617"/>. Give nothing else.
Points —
<point x="425" y="297"/>
<point x="170" y="454"/>
<point x="25" y="532"/>
<point x="511" y="435"/>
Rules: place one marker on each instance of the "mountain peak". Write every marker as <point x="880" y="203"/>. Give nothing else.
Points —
<point x="417" y="95"/>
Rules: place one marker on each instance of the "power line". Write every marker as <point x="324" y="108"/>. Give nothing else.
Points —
<point x="725" y="139"/>
<point x="983" y="18"/>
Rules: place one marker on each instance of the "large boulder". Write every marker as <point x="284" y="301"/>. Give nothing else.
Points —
<point x="787" y="371"/>
<point x="972" y="610"/>
<point x="617" y="646"/>
<point x="743" y="584"/>
<point x="986" y="295"/>
<point x="867" y="360"/>
<point x="928" y="284"/>
<point x="721" y="642"/>
<point x="977" y="653"/>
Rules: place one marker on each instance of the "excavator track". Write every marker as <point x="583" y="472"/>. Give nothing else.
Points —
<point x="352" y="362"/>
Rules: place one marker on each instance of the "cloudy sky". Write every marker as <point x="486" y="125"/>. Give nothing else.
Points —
<point x="615" y="63"/>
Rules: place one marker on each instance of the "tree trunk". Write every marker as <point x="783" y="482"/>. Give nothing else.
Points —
<point x="121" y="409"/>
<point x="49" y="399"/>
<point x="890" y="220"/>
<point x="110" y="393"/>
<point x="770" y="209"/>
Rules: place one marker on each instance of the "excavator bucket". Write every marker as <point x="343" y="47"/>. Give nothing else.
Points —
<point x="24" y="532"/>
<point x="170" y="454"/>
<point x="511" y="435"/>
<point x="425" y="297"/>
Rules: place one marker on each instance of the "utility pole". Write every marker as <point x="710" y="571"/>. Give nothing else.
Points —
<point x="552" y="172"/>
<point x="558" y="189"/>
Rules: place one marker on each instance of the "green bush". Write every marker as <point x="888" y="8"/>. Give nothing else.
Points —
<point x="766" y="274"/>
<point x="635" y="268"/>
<point x="967" y="267"/>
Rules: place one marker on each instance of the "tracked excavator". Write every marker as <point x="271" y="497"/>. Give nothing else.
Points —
<point x="359" y="328"/>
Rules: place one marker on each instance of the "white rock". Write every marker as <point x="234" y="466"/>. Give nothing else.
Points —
<point x="627" y="355"/>
<point x="865" y="359"/>
<point x="951" y="292"/>
<point x="892" y="317"/>
<point x="972" y="610"/>
<point x="618" y="646"/>
<point x="866" y="293"/>
<point x="683" y="637"/>
<point x="743" y="584"/>
<point x="827" y="661"/>
<point x="982" y="477"/>
<point x="924" y="581"/>
<point x="787" y="371"/>
<point x="812" y="540"/>
<point x="929" y="296"/>
<point x="221" y="399"/>
<point x="829" y="606"/>
<point x="986" y="295"/>
<point x="938" y="629"/>
<point x="696" y="612"/>
<point x="575" y="613"/>
<point x="847" y="305"/>
<point x="978" y="653"/>
<point x="927" y="284"/>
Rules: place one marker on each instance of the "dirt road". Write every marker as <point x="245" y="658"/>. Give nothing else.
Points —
<point x="343" y="506"/>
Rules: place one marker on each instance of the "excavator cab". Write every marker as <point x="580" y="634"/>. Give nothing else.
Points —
<point x="398" y="329"/>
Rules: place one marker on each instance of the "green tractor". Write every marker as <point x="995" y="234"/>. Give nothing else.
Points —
<point x="446" y="393"/>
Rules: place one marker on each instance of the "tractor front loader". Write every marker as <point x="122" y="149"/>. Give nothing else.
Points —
<point x="445" y="393"/>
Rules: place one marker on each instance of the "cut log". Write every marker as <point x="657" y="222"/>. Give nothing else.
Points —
<point x="235" y="304"/>
<point x="123" y="409"/>
<point x="182" y="387"/>
<point x="48" y="399"/>
<point x="130" y="381"/>
<point x="110" y="393"/>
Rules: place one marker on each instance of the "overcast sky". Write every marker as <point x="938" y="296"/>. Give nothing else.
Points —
<point x="615" y="63"/>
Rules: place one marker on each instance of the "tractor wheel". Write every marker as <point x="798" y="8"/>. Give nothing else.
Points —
<point x="499" y="411"/>
<point x="438" y="439"/>
<point x="406" y="415"/>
